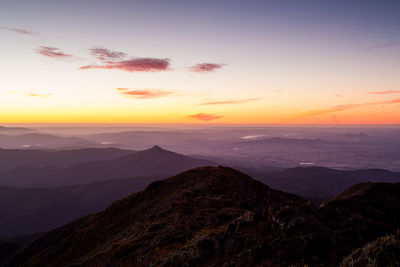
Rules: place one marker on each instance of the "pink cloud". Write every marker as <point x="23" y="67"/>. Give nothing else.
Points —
<point x="107" y="56"/>
<point x="144" y="94"/>
<point x="205" y="117"/>
<point x="134" y="65"/>
<point x="230" y="101"/>
<point x="387" y="92"/>
<point x="20" y="31"/>
<point x="338" y="95"/>
<point x="206" y="67"/>
<point x="52" y="52"/>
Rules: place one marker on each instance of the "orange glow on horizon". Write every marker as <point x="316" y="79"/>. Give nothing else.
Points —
<point x="234" y="118"/>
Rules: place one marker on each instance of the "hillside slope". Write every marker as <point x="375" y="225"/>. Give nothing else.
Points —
<point x="385" y="251"/>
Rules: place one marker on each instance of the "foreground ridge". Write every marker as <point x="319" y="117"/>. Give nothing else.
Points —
<point x="213" y="215"/>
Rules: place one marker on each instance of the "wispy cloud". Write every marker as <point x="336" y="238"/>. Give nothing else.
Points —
<point x="397" y="43"/>
<point x="339" y="95"/>
<point x="52" y="52"/>
<point x="20" y="31"/>
<point x="107" y="56"/>
<point x="134" y="65"/>
<point x="227" y="102"/>
<point x="206" y="67"/>
<point x="143" y="94"/>
<point x="345" y="107"/>
<point x="387" y="92"/>
<point x="28" y="93"/>
<point x="205" y="117"/>
<point x="39" y="95"/>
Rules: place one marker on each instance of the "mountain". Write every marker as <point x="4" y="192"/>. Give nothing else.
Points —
<point x="322" y="182"/>
<point x="154" y="162"/>
<point x="27" y="210"/>
<point x="376" y="201"/>
<point x="15" y="130"/>
<point x="39" y="140"/>
<point x="219" y="216"/>
<point x="285" y="141"/>
<point x="11" y="158"/>
<point x="26" y="167"/>
<point x="30" y="210"/>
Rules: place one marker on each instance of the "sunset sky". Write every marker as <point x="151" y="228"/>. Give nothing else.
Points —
<point x="219" y="62"/>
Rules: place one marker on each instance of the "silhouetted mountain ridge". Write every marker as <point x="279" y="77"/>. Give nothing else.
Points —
<point x="27" y="140"/>
<point x="153" y="162"/>
<point x="322" y="182"/>
<point x="29" y="168"/>
<point x="29" y="210"/>
<point x="216" y="216"/>
<point x="15" y="130"/>
<point x="11" y="158"/>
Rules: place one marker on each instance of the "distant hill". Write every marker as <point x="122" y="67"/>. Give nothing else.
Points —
<point x="10" y="158"/>
<point x="39" y="140"/>
<point x="154" y="162"/>
<point x="30" y="210"/>
<point x="15" y="130"/>
<point x="214" y="216"/>
<point x="285" y="141"/>
<point x="322" y="182"/>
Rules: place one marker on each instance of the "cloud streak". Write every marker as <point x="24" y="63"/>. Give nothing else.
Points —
<point x="134" y="65"/>
<point x="206" y="67"/>
<point x="345" y="107"/>
<point x="39" y="95"/>
<point x="28" y="93"/>
<point x="20" y="31"/>
<point x="229" y="102"/>
<point x="387" y="45"/>
<point x="143" y="94"/>
<point x="52" y="52"/>
<point x="204" y="117"/>
<point x="387" y="92"/>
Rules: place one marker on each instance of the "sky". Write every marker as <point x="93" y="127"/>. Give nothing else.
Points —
<point x="200" y="62"/>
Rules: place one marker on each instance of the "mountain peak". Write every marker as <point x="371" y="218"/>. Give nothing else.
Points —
<point x="156" y="147"/>
<point x="214" y="179"/>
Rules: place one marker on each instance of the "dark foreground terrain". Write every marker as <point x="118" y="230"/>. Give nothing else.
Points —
<point x="216" y="216"/>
